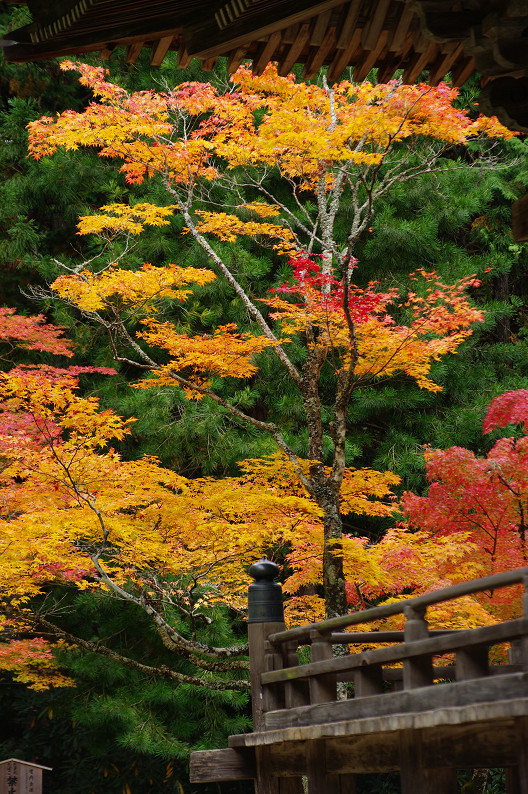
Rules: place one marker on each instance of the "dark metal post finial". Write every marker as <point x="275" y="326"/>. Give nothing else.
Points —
<point x="265" y="595"/>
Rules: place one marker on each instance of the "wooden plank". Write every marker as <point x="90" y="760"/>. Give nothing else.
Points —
<point x="512" y="780"/>
<point x="420" y="61"/>
<point x="521" y="726"/>
<point x="316" y="60"/>
<point x="369" y="59"/>
<point x="291" y="785"/>
<point x="319" y="780"/>
<point x="368" y="681"/>
<point x="349" y="25"/>
<point x="418" y="670"/>
<point x="159" y="50"/>
<point x="322" y="688"/>
<point x="347" y="784"/>
<point x="520" y="219"/>
<point x="375" y="637"/>
<point x="398" y="36"/>
<point x="296" y="693"/>
<point x="472" y="662"/>
<point x="343" y="57"/>
<point x="362" y="754"/>
<point x="501" y="632"/>
<point x="91" y="41"/>
<point x="211" y="766"/>
<point x="444" y="63"/>
<point x="372" y="31"/>
<point x="415" y="776"/>
<point x="133" y="51"/>
<point x="285" y="65"/>
<point x="386" y="69"/>
<point x="266" y="783"/>
<point x="464" y="744"/>
<point x="495" y="715"/>
<point x="272" y="697"/>
<point x="184" y="59"/>
<point x="319" y="28"/>
<point x="235" y="58"/>
<point x="289" y="34"/>
<point x="257" y="637"/>
<point x="208" y="64"/>
<point x="463" y="72"/>
<point x="493" y="582"/>
<point x="266" y="53"/>
<point x="106" y="53"/>
<point x="440" y="696"/>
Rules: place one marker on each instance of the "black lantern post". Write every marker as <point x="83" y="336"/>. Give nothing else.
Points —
<point x="265" y="616"/>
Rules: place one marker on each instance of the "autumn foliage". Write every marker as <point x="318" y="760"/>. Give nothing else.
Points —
<point x="483" y="497"/>
<point x="78" y="515"/>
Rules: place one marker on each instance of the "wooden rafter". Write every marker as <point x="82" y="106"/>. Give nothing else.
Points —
<point x="266" y="52"/>
<point x="261" y="24"/>
<point x="318" y="57"/>
<point x="160" y="49"/>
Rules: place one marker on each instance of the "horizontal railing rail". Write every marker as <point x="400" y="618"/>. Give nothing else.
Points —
<point x="433" y="646"/>
<point x="494" y="582"/>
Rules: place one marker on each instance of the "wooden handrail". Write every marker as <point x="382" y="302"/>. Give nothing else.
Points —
<point x="302" y="633"/>
<point x="360" y="637"/>
<point x="486" y="635"/>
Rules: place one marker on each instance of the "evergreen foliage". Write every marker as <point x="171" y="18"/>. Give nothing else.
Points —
<point x="456" y="225"/>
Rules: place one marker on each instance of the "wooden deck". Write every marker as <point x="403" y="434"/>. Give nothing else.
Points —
<point x="424" y="718"/>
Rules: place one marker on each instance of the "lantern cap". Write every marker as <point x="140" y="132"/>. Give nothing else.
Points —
<point x="264" y="570"/>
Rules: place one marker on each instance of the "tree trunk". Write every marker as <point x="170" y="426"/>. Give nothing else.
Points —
<point x="333" y="576"/>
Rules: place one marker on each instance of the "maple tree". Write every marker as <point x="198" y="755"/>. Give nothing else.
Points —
<point x="483" y="497"/>
<point x="324" y="143"/>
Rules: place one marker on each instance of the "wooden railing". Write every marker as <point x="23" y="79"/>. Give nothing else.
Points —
<point x="286" y="684"/>
<point x="340" y="714"/>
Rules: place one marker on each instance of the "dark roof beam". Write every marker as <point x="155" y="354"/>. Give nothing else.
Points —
<point x="253" y="25"/>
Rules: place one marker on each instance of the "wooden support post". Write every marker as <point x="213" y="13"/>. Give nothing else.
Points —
<point x="257" y="637"/>
<point x="266" y="782"/>
<point x="322" y="687"/>
<point x="520" y="219"/>
<point x="296" y="693"/>
<point x="265" y="616"/>
<point x="414" y="776"/>
<point x="319" y="780"/>
<point x="472" y="662"/>
<point x="418" y="671"/>
<point x="512" y="780"/>
<point x="523" y="641"/>
<point x="347" y="784"/>
<point x="368" y="681"/>
<point x="272" y="695"/>
<point x="517" y="776"/>
<point x="521" y="726"/>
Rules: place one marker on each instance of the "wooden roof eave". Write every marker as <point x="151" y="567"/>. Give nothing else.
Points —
<point x="22" y="51"/>
<point x="249" y="27"/>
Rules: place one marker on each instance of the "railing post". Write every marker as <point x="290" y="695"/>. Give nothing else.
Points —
<point x="419" y="670"/>
<point x="518" y="777"/>
<point x="523" y="641"/>
<point x="265" y="616"/>
<point x="323" y="688"/>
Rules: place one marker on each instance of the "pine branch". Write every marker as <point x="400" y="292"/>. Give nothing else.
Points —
<point x="154" y="672"/>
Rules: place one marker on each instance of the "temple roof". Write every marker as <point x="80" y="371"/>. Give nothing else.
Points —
<point x="457" y="37"/>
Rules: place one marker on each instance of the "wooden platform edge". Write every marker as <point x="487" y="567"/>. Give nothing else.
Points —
<point x="211" y="766"/>
<point x="454" y="715"/>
